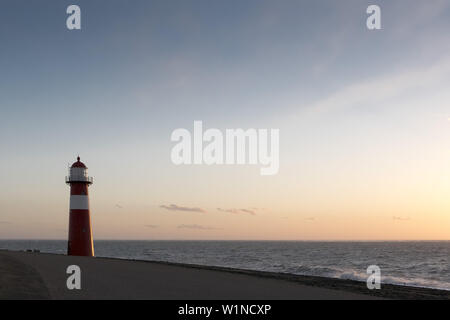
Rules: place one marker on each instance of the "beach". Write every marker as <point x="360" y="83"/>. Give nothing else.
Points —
<point x="30" y="275"/>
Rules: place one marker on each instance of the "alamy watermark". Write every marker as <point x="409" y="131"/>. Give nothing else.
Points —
<point x="74" y="280"/>
<point x="374" y="279"/>
<point x="73" y="22"/>
<point x="373" y="22"/>
<point x="235" y="146"/>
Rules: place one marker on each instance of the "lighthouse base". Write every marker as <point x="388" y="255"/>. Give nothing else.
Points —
<point x="80" y="234"/>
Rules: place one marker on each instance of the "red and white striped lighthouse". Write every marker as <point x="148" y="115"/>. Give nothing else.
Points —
<point x="80" y="231"/>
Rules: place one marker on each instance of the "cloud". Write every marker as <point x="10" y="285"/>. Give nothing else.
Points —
<point x="151" y="226"/>
<point x="195" y="226"/>
<point x="249" y="211"/>
<point x="174" y="207"/>
<point x="376" y="90"/>
<point x="238" y="211"/>
<point x="310" y="219"/>
<point x="5" y="222"/>
<point x="401" y="218"/>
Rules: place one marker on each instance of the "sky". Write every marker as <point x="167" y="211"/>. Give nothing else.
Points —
<point x="364" y="118"/>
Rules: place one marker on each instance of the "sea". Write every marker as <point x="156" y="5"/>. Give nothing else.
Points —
<point x="411" y="263"/>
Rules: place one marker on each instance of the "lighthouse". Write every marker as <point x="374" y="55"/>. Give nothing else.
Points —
<point x="80" y="231"/>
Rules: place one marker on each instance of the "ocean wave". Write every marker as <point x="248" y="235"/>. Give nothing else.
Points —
<point x="349" y="274"/>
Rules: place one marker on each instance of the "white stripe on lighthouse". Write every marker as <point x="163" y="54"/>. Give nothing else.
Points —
<point x="79" y="202"/>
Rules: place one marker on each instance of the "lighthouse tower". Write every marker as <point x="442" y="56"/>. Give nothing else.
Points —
<point x="80" y="232"/>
